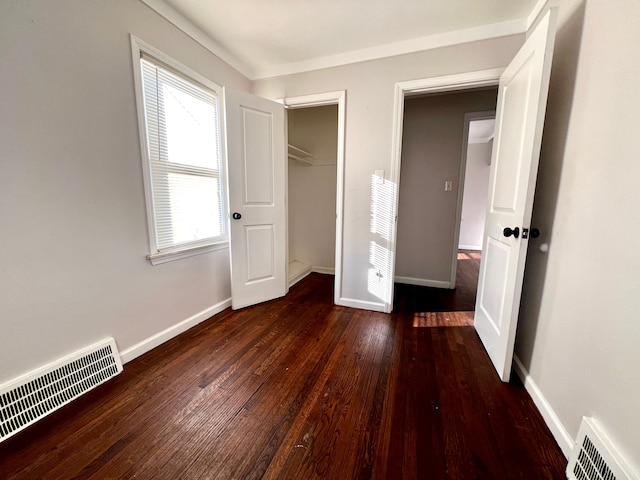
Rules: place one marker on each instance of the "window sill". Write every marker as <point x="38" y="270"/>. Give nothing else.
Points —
<point x="164" y="257"/>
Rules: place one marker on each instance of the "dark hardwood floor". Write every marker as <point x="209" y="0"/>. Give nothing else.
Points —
<point x="426" y="299"/>
<point x="298" y="388"/>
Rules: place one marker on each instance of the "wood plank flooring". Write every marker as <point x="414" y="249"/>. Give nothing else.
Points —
<point x="298" y="388"/>
<point x="426" y="299"/>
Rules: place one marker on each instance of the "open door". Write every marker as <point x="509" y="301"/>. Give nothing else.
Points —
<point x="522" y="98"/>
<point x="256" y="170"/>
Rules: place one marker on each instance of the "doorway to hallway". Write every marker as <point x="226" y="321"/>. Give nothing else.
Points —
<point x="419" y="299"/>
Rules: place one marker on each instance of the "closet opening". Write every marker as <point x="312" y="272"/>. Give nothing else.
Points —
<point x="312" y="190"/>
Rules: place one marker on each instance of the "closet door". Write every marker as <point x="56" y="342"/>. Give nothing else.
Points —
<point x="256" y="172"/>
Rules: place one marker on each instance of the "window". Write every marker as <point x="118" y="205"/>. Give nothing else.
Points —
<point x="183" y="149"/>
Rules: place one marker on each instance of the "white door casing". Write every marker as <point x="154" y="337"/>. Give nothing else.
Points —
<point x="256" y="170"/>
<point x="468" y="118"/>
<point x="522" y="98"/>
<point x="432" y="85"/>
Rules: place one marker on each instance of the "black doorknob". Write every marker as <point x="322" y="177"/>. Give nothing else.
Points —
<point x="535" y="233"/>
<point x="507" y="232"/>
<point x="236" y="216"/>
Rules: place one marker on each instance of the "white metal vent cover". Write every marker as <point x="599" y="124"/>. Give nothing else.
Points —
<point x="594" y="457"/>
<point x="28" y="398"/>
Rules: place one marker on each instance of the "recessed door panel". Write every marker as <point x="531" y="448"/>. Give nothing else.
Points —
<point x="515" y="103"/>
<point x="493" y="281"/>
<point x="258" y="156"/>
<point x="260" y="241"/>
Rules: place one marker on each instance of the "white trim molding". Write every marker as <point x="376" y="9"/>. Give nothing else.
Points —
<point x="299" y="276"/>
<point x="484" y="32"/>
<point x="477" y="248"/>
<point x="429" y="42"/>
<point x="362" y="305"/>
<point x="423" y="282"/>
<point x="324" y="270"/>
<point x="558" y="430"/>
<point x="173" y="331"/>
<point x="169" y="256"/>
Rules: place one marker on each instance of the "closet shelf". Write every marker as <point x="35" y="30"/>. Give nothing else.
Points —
<point x="299" y="155"/>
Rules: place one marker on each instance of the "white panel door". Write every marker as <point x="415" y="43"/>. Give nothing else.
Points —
<point x="522" y="99"/>
<point x="257" y="198"/>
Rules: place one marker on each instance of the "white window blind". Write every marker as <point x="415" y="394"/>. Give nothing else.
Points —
<point x="183" y="140"/>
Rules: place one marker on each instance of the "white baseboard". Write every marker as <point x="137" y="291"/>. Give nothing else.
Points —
<point x="167" y="334"/>
<point x="324" y="270"/>
<point x="470" y="247"/>
<point x="299" y="276"/>
<point x="350" y="302"/>
<point x="423" y="282"/>
<point x="560" y="433"/>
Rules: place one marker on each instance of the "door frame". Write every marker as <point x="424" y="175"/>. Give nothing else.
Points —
<point x="316" y="100"/>
<point x="447" y="83"/>
<point x="468" y="118"/>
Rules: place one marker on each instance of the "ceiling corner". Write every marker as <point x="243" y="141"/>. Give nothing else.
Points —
<point x="484" y="32"/>
<point x="186" y="26"/>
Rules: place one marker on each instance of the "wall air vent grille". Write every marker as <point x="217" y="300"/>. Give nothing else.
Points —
<point x="595" y="458"/>
<point x="27" y="399"/>
<point x="590" y="464"/>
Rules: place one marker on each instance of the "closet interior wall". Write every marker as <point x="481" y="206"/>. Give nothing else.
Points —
<point x="312" y="190"/>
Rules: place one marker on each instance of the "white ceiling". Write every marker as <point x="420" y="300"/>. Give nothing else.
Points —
<point x="273" y="37"/>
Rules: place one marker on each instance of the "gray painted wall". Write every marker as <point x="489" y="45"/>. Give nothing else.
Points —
<point x="369" y="131"/>
<point x="474" y="202"/>
<point x="72" y="202"/>
<point x="578" y="329"/>
<point x="432" y="147"/>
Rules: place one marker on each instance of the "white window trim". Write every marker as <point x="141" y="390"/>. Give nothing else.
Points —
<point x="138" y="47"/>
<point x="178" y="253"/>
